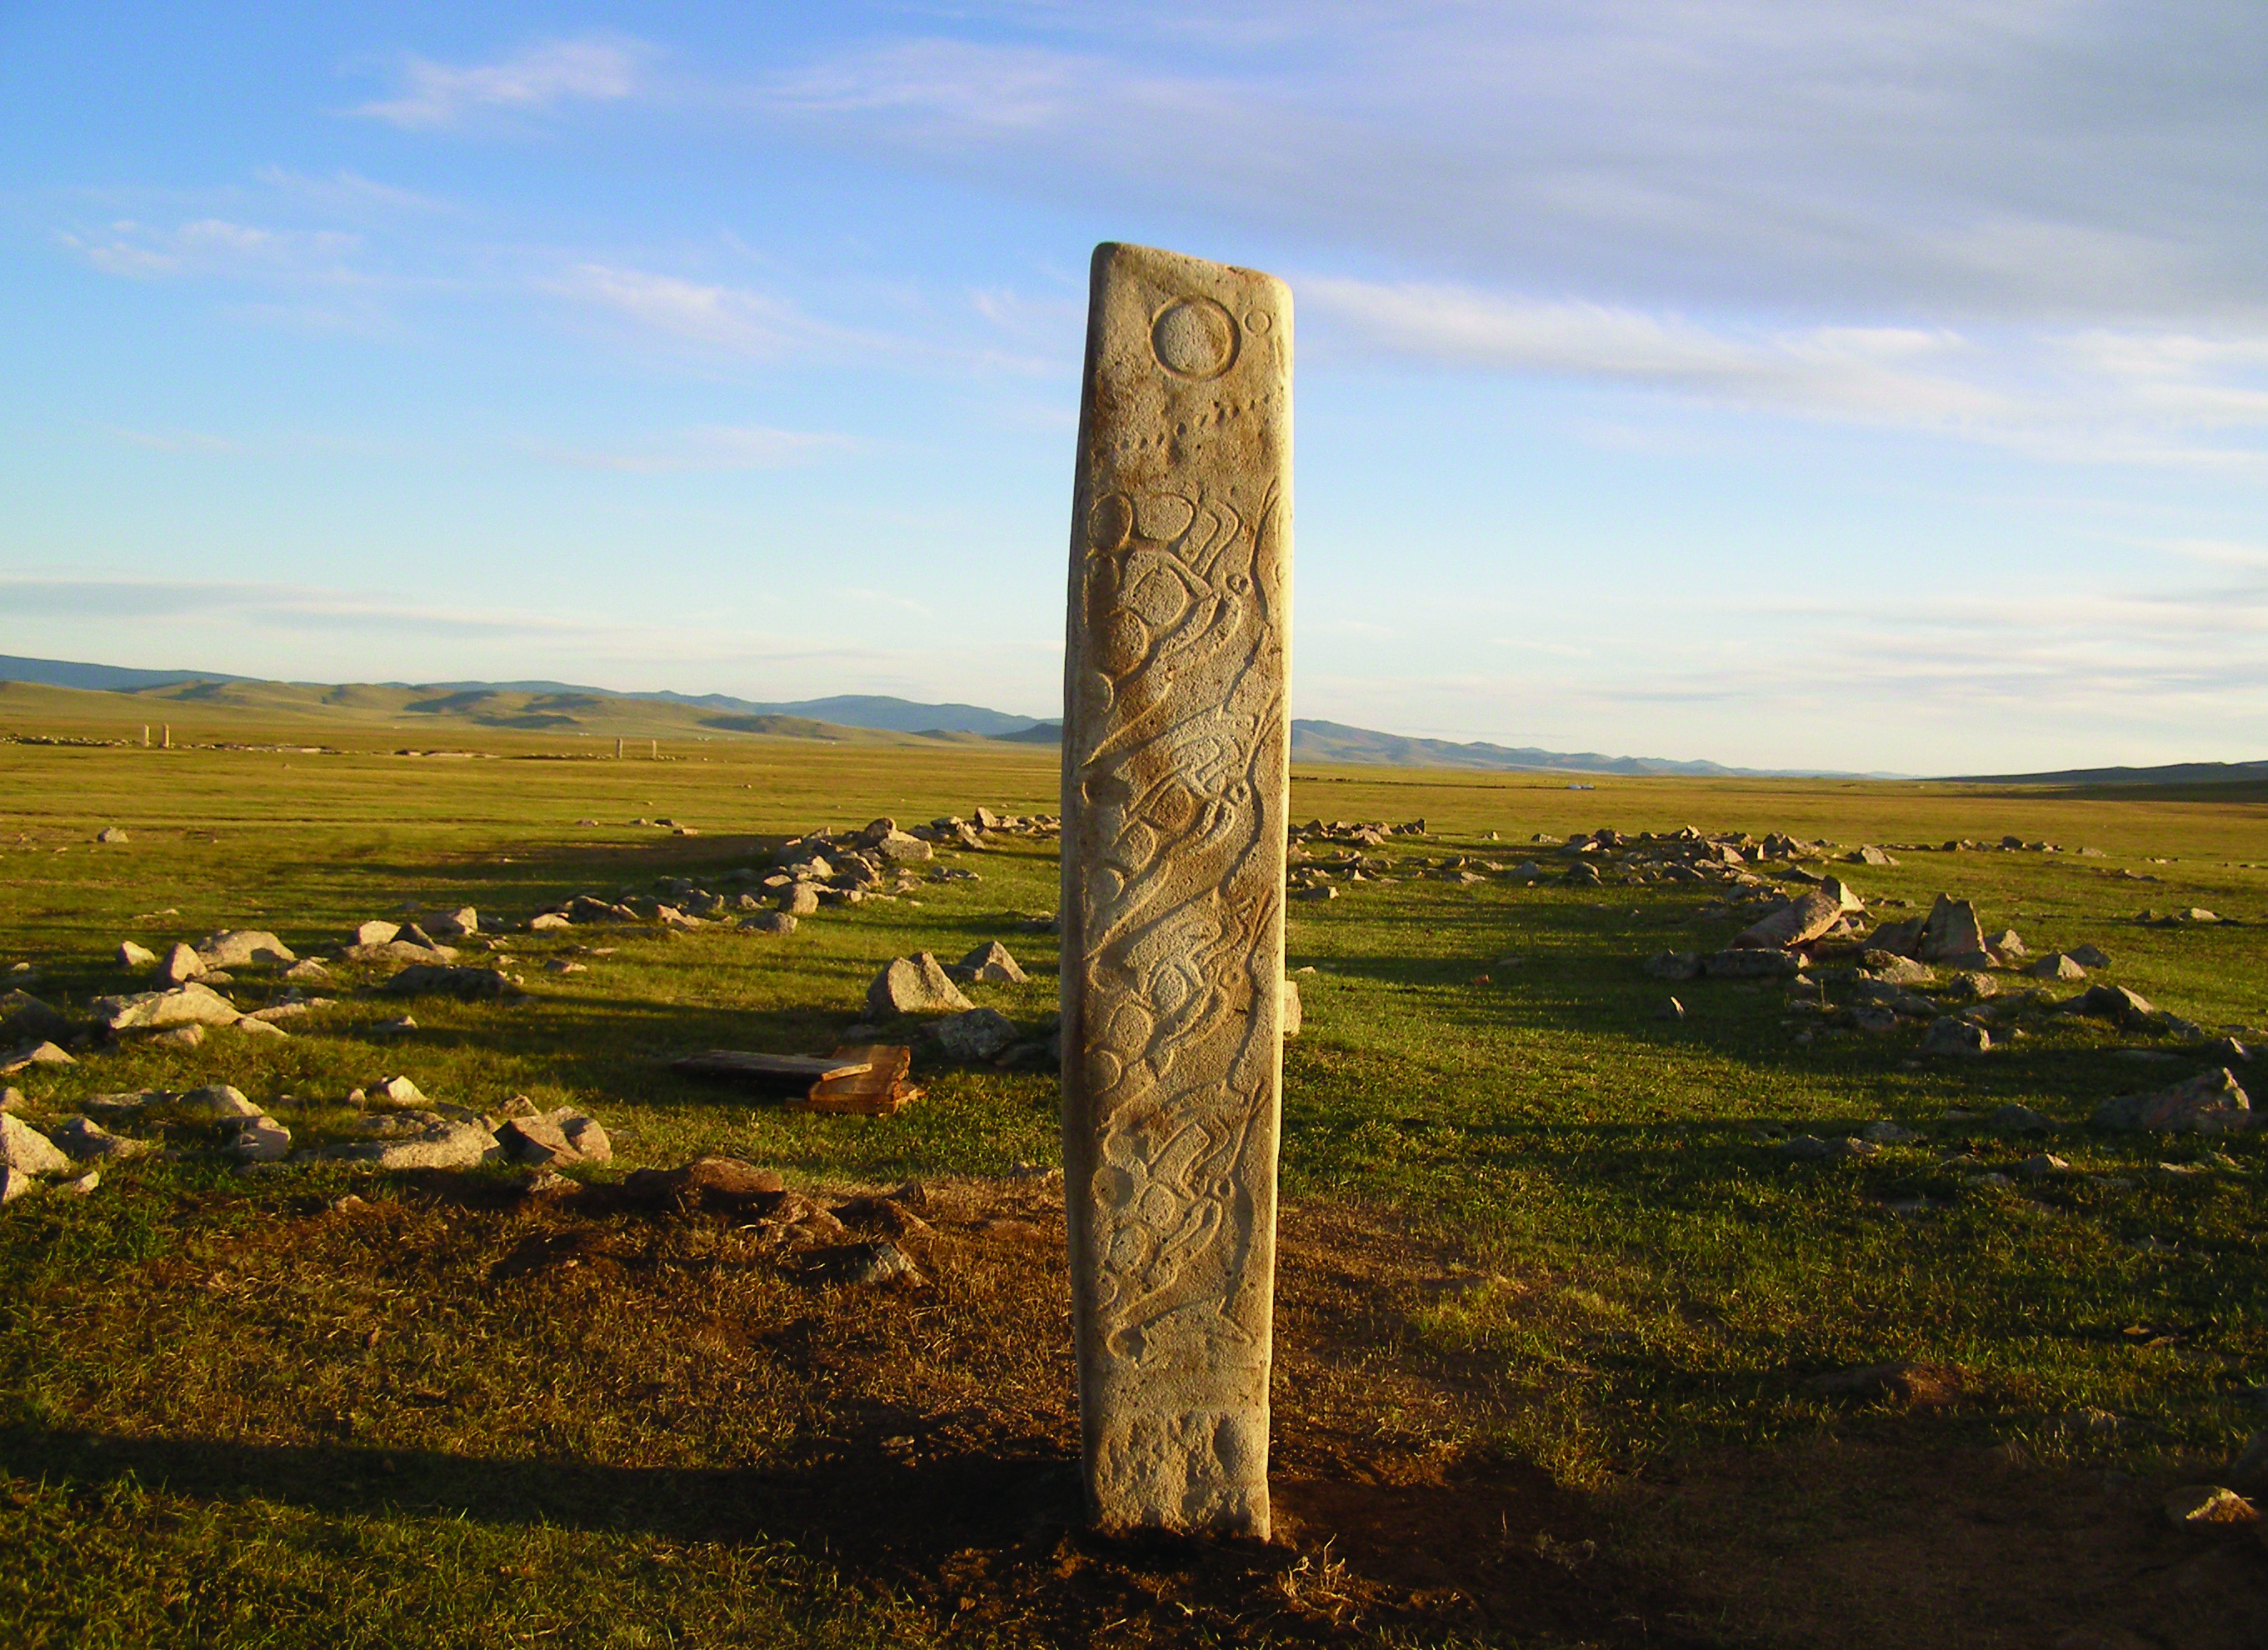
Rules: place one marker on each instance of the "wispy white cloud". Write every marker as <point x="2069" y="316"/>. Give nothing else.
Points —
<point x="349" y="194"/>
<point x="736" y="321"/>
<point x="213" y="246"/>
<point x="716" y="448"/>
<point x="590" y="68"/>
<point x="2170" y="399"/>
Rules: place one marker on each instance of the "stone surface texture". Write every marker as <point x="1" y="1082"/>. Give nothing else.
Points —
<point x="1175" y="806"/>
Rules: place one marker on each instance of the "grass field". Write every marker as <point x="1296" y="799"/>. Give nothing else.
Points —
<point x="1550" y="1297"/>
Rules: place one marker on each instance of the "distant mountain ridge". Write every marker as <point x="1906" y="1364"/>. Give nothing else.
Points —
<point x="566" y="708"/>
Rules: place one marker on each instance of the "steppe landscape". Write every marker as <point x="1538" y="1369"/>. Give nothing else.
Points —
<point x="1832" y="1305"/>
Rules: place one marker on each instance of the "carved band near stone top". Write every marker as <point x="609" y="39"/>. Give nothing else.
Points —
<point x="1175" y="763"/>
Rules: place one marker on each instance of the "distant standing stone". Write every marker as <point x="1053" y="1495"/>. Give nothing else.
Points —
<point x="1175" y="750"/>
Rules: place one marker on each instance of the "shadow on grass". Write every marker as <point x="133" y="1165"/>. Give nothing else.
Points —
<point x="860" y="1500"/>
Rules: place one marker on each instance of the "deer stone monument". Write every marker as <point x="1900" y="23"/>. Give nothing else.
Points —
<point x="1176" y="752"/>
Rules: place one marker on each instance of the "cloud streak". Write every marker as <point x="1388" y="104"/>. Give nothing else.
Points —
<point x="587" y="69"/>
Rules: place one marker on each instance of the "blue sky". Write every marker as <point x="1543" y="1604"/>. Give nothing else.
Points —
<point x="1822" y="384"/>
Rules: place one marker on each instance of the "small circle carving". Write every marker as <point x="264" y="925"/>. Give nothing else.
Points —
<point x="1194" y="337"/>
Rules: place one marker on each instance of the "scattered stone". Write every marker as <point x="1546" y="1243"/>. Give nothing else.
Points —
<point x="441" y="979"/>
<point x="2196" y="1506"/>
<point x="215" y="1103"/>
<point x="24" y="1018"/>
<point x="2005" y="944"/>
<point x="306" y="969"/>
<point x="394" y="1027"/>
<point x="537" y="1141"/>
<point x="460" y="924"/>
<point x="2090" y="956"/>
<point x="2058" y="965"/>
<point x="111" y="834"/>
<point x="1893" y="969"/>
<point x="240" y="947"/>
<point x="82" y="1138"/>
<point x="565" y="965"/>
<point x="190" y="1005"/>
<point x="2042" y="1163"/>
<point x="2020" y="1120"/>
<point x="1949" y="1035"/>
<point x="980" y="1034"/>
<point x="15" y="1184"/>
<point x="131" y="955"/>
<point x="179" y="1037"/>
<point x="1671" y="1010"/>
<point x="1291" y="1016"/>
<point x="1808" y="1148"/>
<point x="260" y="1140"/>
<point x="800" y="899"/>
<point x="443" y="1143"/>
<point x="545" y="920"/>
<point x="582" y="1133"/>
<point x="23" y="1147"/>
<point x="1801" y="920"/>
<point x="1845" y="897"/>
<point x="12" y="1099"/>
<point x="2110" y="1002"/>
<point x="1886" y="1133"/>
<point x="84" y="1186"/>
<point x="377" y="933"/>
<point x="259" y="1028"/>
<point x="1951" y="933"/>
<point x="991" y="964"/>
<point x="1674" y="965"/>
<point x="918" y="984"/>
<point x="769" y="923"/>
<point x="1869" y="856"/>
<point x="585" y="909"/>
<point x="394" y="1091"/>
<point x="1749" y="964"/>
<point x="2212" y="1103"/>
<point x="34" y="1054"/>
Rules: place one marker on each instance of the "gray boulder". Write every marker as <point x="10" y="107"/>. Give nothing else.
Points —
<point x="799" y="899"/>
<point x="1674" y="965"/>
<point x="899" y="847"/>
<point x="15" y="1184"/>
<point x="260" y="1140"/>
<point x="1949" y="1035"/>
<point x="137" y="957"/>
<point x="1750" y="965"/>
<point x="980" y="1034"/>
<point x="377" y="932"/>
<point x="23" y="1147"/>
<point x="918" y="984"/>
<point x="237" y="947"/>
<point x="441" y="1143"/>
<point x="1292" y="1015"/>
<point x="2090" y="956"/>
<point x="1951" y="934"/>
<point x="24" y="1018"/>
<point x="2110" y="1002"/>
<point x="2058" y="965"/>
<point x="2211" y="1102"/>
<point x="181" y="964"/>
<point x="768" y="923"/>
<point x="1802" y="920"/>
<point x="443" y="979"/>
<point x="190" y="1005"/>
<point x="455" y="924"/>
<point x="991" y="964"/>
<point x="85" y="1141"/>
<point x="217" y="1102"/>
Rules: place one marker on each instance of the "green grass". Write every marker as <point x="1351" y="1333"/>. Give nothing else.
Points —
<point x="1668" y="1280"/>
